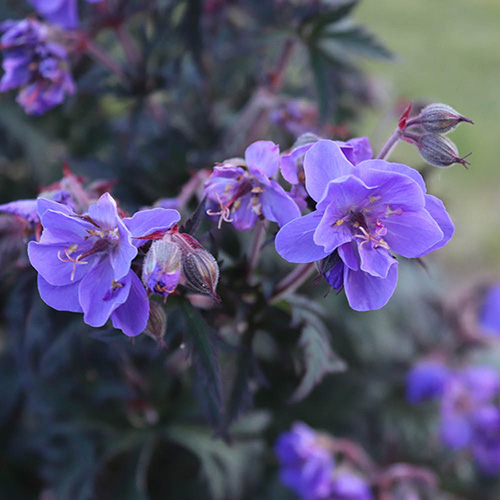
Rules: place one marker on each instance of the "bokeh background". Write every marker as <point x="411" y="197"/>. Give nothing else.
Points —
<point x="448" y="51"/>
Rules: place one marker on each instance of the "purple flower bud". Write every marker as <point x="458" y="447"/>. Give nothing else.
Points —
<point x="427" y="380"/>
<point x="162" y="267"/>
<point x="439" y="151"/>
<point x="157" y="322"/>
<point x="439" y="119"/>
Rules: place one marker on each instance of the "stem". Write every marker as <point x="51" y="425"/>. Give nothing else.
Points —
<point x="292" y="281"/>
<point x="388" y="147"/>
<point x="283" y="61"/>
<point x="259" y="236"/>
<point x="106" y="60"/>
<point x="129" y="47"/>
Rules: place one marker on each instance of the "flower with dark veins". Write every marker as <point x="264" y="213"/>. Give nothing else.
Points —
<point x="84" y="261"/>
<point x="240" y="191"/>
<point x="364" y="213"/>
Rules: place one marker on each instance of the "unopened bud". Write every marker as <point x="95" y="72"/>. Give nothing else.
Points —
<point x="201" y="271"/>
<point x="162" y="267"/>
<point x="439" y="151"/>
<point x="439" y="118"/>
<point x="157" y="322"/>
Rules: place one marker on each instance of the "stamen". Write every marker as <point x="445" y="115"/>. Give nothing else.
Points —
<point x="67" y="258"/>
<point x="224" y="212"/>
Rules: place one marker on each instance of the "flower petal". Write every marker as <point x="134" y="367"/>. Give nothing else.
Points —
<point x="295" y="243"/>
<point x="375" y="261"/>
<point x="277" y="205"/>
<point x="123" y="254"/>
<point x="149" y="221"/>
<point x="100" y="295"/>
<point x="323" y="163"/>
<point x="438" y="212"/>
<point x="27" y="209"/>
<point x="132" y="316"/>
<point x="349" y="255"/>
<point x="329" y="234"/>
<point x="263" y="156"/>
<point x="61" y="298"/>
<point x="365" y="292"/>
<point x="65" y="229"/>
<point x="412" y="234"/>
<point x="244" y="216"/>
<point x="46" y="259"/>
<point x="392" y="167"/>
<point x="289" y="167"/>
<point x="43" y="204"/>
<point x="105" y="212"/>
<point x="489" y="317"/>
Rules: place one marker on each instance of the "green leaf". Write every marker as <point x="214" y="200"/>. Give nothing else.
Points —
<point x="355" y="39"/>
<point x="228" y="468"/>
<point x="338" y="13"/>
<point x="198" y="338"/>
<point x="320" y="73"/>
<point x="194" y="221"/>
<point x="318" y="356"/>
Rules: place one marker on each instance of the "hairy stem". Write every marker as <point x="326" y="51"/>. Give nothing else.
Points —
<point x="106" y="60"/>
<point x="292" y="281"/>
<point x="129" y="47"/>
<point x="259" y="236"/>
<point x="389" y="146"/>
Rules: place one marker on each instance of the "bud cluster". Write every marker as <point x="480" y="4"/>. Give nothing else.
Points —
<point x="175" y="256"/>
<point x="435" y="120"/>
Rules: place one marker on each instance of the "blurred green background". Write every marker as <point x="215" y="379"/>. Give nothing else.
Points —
<point x="448" y="51"/>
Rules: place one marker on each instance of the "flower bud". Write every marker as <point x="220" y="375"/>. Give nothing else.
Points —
<point x="439" y="118"/>
<point x="157" y="322"/>
<point x="201" y="271"/>
<point x="439" y="151"/>
<point x="162" y="267"/>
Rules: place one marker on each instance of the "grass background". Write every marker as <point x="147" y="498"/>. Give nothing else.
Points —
<point x="448" y="51"/>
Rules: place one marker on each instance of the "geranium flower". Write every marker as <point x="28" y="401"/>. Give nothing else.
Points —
<point x="84" y="261"/>
<point x="363" y="215"/>
<point x="36" y="64"/>
<point x="64" y="13"/>
<point x="240" y="191"/>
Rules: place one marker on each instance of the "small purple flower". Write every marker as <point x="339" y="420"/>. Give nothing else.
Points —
<point x="64" y="13"/>
<point x="363" y="214"/>
<point x="162" y="267"/>
<point x="467" y="392"/>
<point x="84" y="261"/>
<point x="348" y="486"/>
<point x="241" y="191"/>
<point x="306" y="467"/>
<point x="489" y="315"/>
<point x="35" y="64"/>
<point x="486" y="439"/>
<point x="426" y="380"/>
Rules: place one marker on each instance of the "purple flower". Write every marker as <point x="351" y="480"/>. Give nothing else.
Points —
<point x="363" y="215"/>
<point x="486" y="439"/>
<point x="35" y="64"/>
<point x="489" y="316"/>
<point x="467" y="392"/>
<point x="64" y="13"/>
<point x="306" y="467"/>
<point x="348" y="486"/>
<point x="241" y="191"/>
<point x="427" y="380"/>
<point x="84" y="261"/>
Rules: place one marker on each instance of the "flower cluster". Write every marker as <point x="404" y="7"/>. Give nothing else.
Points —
<point x="470" y="414"/>
<point x="307" y="467"/>
<point x="241" y="191"/>
<point x="364" y="213"/>
<point x="36" y="64"/>
<point x="64" y="13"/>
<point x="84" y="261"/>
